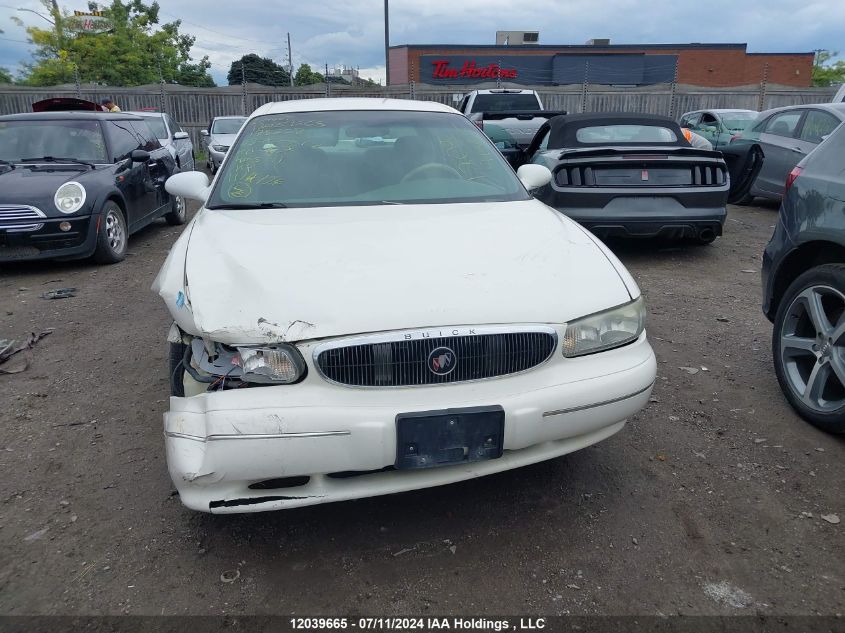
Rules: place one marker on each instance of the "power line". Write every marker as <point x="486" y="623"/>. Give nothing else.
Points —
<point x="234" y="37"/>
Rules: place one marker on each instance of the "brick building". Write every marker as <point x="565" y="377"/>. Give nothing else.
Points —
<point x="707" y="65"/>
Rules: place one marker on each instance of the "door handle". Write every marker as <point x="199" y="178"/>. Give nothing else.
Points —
<point x="798" y="150"/>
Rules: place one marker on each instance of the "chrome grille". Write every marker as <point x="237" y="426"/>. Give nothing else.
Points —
<point x="15" y="218"/>
<point x="398" y="361"/>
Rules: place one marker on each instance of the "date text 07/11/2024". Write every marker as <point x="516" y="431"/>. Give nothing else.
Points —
<point x="417" y="624"/>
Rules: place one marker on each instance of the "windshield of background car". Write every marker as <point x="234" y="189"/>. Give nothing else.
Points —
<point x="505" y="103"/>
<point x="227" y="126"/>
<point x="157" y="126"/>
<point x="610" y="134"/>
<point x="82" y="140"/>
<point x="363" y="157"/>
<point x="737" y="121"/>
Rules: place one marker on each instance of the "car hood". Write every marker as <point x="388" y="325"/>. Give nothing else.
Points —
<point x="223" y="139"/>
<point x="36" y="187"/>
<point x="294" y="274"/>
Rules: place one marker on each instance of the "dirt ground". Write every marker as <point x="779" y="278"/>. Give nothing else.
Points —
<point x="708" y="502"/>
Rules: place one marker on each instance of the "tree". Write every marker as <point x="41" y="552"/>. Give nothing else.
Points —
<point x="5" y="76"/>
<point x="136" y="51"/>
<point x="305" y="76"/>
<point x="258" y="70"/>
<point x="827" y="73"/>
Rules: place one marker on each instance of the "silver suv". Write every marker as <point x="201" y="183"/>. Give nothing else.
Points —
<point x="171" y="136"/>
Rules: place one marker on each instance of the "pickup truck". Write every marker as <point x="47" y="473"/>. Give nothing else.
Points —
<point x="516" y="112"/>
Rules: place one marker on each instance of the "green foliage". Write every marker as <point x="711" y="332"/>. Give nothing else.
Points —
<point x="5" y="76"/>
<point x="826" y="72"/>
<point x="258" y="70"/>
<point x="136" y="51"/>
<point x="305" y="76"/>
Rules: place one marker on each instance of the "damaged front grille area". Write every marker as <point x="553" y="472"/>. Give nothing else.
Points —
<point x="429" y="358"/>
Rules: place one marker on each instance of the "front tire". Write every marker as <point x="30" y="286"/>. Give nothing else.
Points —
<point x="112" y="236"/>
<point x="745" y="200"/>
<point x="808" y="346"/>
<point x="178" y="213"/>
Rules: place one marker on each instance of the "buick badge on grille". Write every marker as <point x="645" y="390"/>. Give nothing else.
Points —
<point x="442" y="361"/>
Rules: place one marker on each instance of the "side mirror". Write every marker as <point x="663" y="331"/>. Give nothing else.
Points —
<point x="193" y="185"/>
<point x="139" y="156"/>
<point x="203" y="132"/>
<point x="534" y="176"/>
<point x="178" y="136"/>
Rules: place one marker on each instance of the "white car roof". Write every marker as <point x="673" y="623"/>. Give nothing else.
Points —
<point x="350" y="103"/>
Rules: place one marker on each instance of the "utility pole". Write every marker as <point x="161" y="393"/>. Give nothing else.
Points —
<point x="584" y="86"/>
<point x="762" y="102"/>
<point x="386" y="45"/>
<point x="328" y="90"/>
<point x="163" y="103"/>
<point x="674" y="88"/>
<point x="499" y="74"/>
<point x="290" y="63"/>
<point x="243" y="88"/>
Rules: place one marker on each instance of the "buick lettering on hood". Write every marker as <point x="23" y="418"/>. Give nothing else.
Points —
<point x="370" y="301"/>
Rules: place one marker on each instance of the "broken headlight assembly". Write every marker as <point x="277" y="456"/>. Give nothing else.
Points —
<point x="604" y="330"/>
<point x="229" y="367"/>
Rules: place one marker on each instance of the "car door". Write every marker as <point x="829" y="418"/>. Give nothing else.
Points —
<point x="184" y="147"/>
<point x="133" y="178"/>
<point x="160" y="166"/>
<point x="780" y="148"/>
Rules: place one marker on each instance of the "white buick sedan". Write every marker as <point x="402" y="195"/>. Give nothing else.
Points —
<point x="370" y="301"/>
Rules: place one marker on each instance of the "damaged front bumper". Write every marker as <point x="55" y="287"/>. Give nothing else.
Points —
<point x="268" y="448"/>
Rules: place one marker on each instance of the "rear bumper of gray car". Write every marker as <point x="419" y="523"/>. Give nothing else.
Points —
<point x="658" y="217"/>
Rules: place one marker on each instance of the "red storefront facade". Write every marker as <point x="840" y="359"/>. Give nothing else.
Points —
<point x="706" y="65"/>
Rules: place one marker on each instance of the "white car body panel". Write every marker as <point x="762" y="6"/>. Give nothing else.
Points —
<point x="387" y="267"/>
<point x="312" y="276"/>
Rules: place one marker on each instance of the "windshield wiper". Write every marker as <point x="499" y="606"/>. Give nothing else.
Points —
<point x="250" y="205"/>
<point x="56" y="159"/>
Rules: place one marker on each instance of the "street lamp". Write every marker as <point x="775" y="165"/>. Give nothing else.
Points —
<point x="386" y="46"/>
<point x="40" y="15"/>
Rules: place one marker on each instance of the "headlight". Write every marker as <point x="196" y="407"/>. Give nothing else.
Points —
<point x="277" y="364"/>
<point x="220" y="148"/>
<point x="604" y="330"/>
<point x="69" y="197"/>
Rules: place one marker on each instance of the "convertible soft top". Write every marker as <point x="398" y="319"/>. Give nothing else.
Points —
<point x="564" y="129"/>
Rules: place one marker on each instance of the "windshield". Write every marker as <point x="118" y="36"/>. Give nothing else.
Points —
<point x="363" y="157"/>
<point x="625" y="134"/>
<point x="504" y="102"/>
<point x="227" y="126"/>
<point x="738" y="121"/>
<point x="82" y="140"/>
<point x="156" y="124"/>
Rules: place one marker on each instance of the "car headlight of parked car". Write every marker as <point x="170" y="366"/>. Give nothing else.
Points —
<point x="220" y="148"/>
<point x="277" y="364"/>
<point x="604" y="330"/>
<point x="69" y="197"/>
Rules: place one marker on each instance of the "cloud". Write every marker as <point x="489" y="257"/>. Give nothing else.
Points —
<point x="351" y="32"/>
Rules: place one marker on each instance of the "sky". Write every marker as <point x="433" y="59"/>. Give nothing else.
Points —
<point x="351" y="32"/>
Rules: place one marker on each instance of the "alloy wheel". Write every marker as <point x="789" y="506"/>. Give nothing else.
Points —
<point x="812" y="348"/>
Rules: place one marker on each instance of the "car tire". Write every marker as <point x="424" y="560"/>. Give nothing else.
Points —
<point x="177" y="374"/>
<point x="178" y="213"/>
<point x="745" y="200"/>
<point x="808" y="346"/>
<point x="112" y="235"/>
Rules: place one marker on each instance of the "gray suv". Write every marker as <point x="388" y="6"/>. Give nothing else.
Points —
<point x="219" y="137"/>
<point x="804" y="286"/>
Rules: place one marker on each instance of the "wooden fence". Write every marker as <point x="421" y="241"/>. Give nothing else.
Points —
<point x="194" y="107"/>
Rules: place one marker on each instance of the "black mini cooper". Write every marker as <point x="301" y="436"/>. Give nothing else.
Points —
<point x="77" y="184"/>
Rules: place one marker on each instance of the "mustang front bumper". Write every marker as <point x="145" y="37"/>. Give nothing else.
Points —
<point x="322" y="442"/>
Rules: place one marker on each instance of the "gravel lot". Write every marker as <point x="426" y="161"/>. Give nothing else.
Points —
<point x="709" y="502"/>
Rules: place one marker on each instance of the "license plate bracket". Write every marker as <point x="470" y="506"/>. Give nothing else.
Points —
<point x="430" y="439"/>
